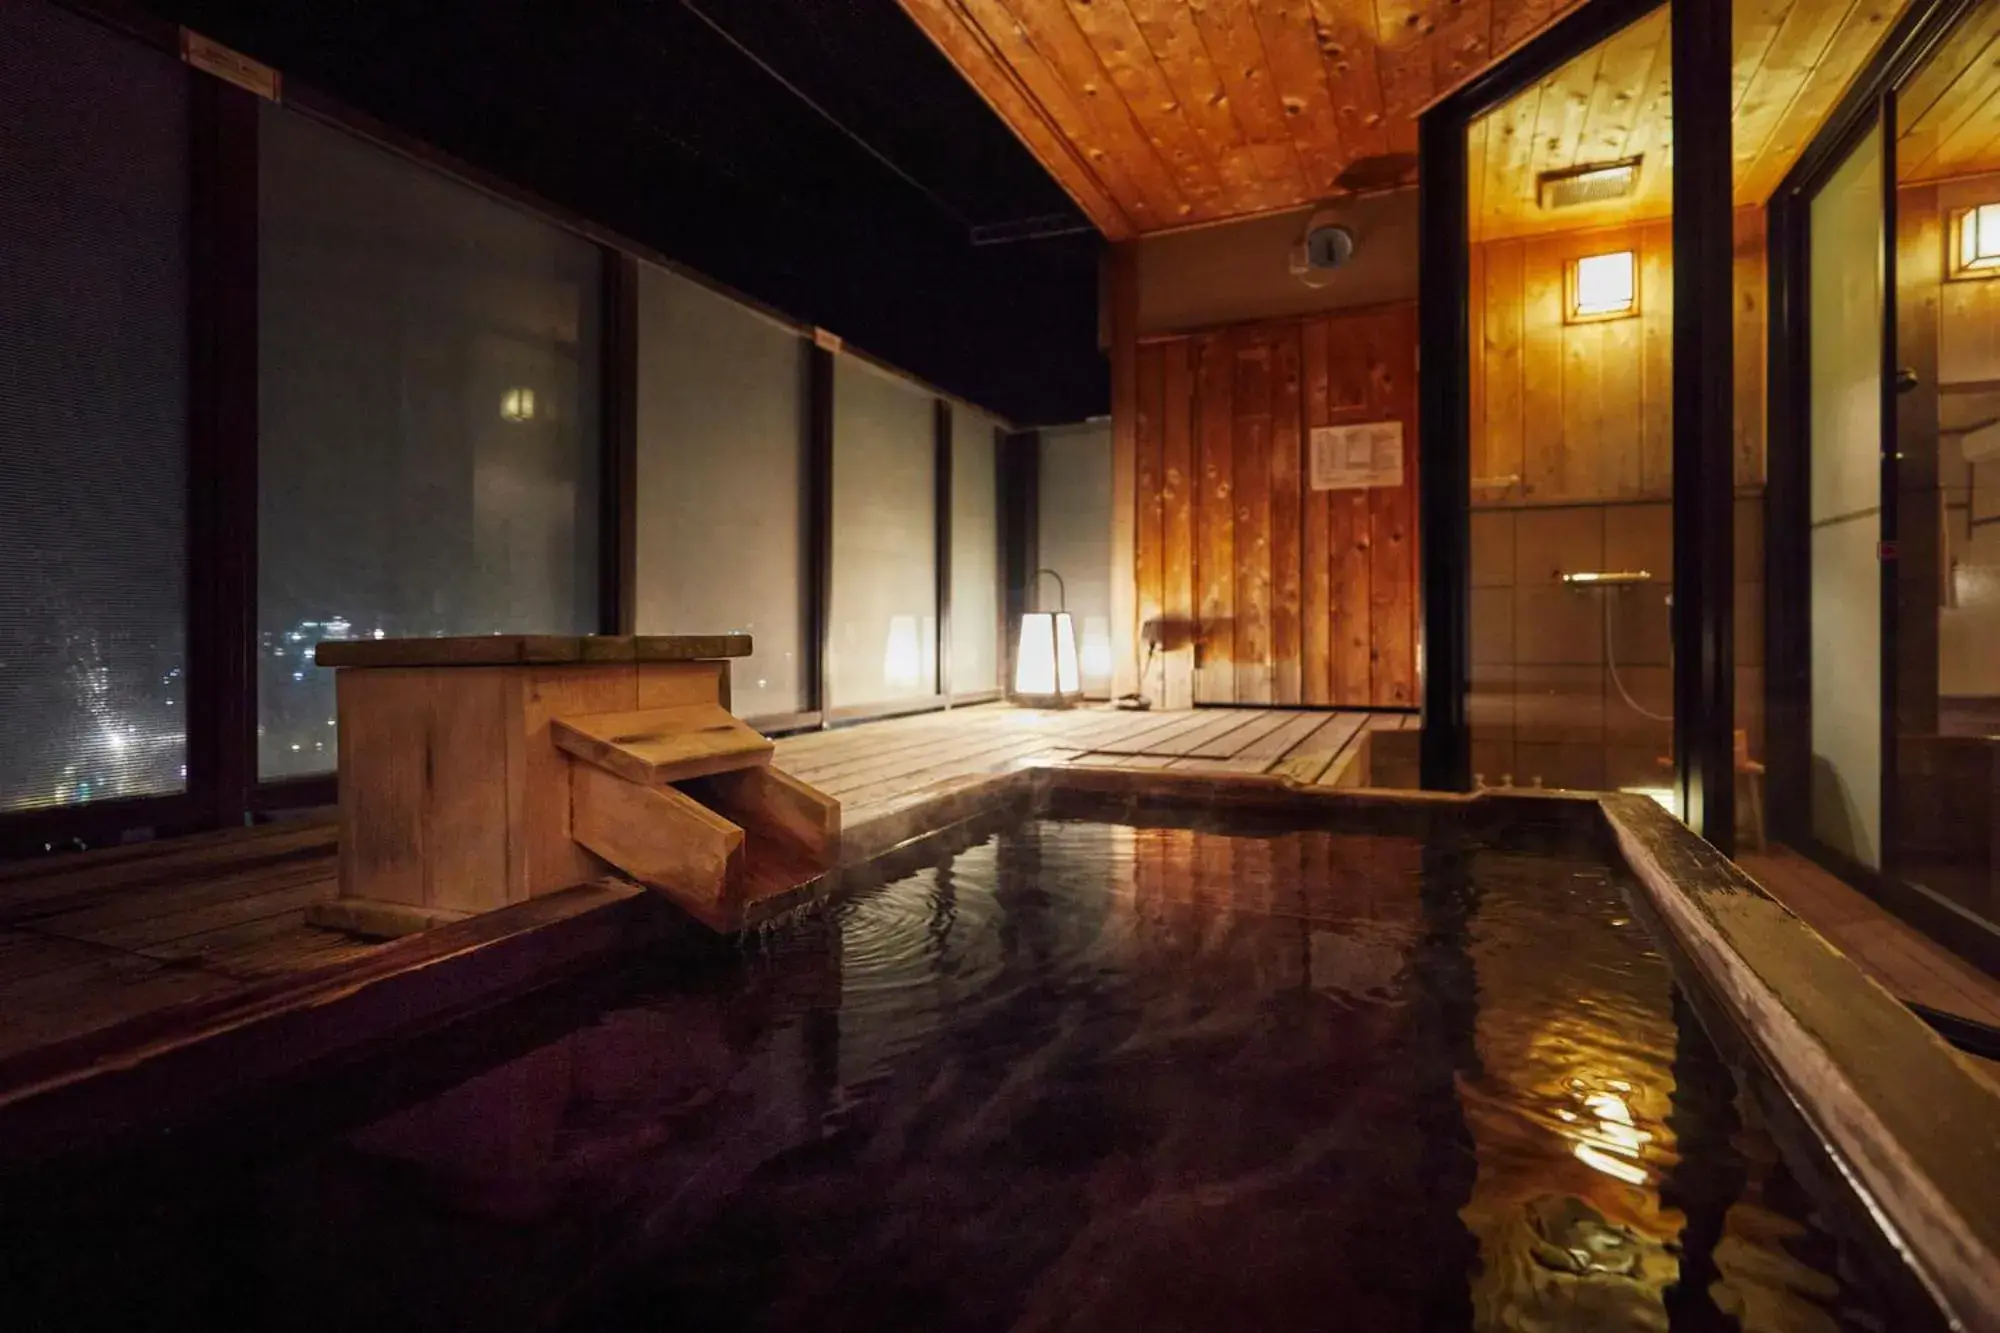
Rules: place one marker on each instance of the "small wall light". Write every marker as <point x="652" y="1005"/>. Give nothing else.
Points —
<point x="1045" y="662"/>
<point x="517" y="405"/>
<point x="1977" y="254"/>
<point x="1603" y="286"/>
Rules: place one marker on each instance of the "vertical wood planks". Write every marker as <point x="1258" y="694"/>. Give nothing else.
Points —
<point x="1178" y="485"/>
<point x="1656" y="358"/>
<point x="1392" y="515"/>
<point x="1215" y="547"/>
<point x="1295" y="595"/>
<point x="1316" y="557"/>
<point x="1253" y="517"/>
<point x="1287" y="518"/>
<point x="1123" y="276"/>
<point x="1149" y="441"/>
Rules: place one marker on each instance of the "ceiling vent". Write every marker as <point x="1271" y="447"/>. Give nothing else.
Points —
<point x="1594" y="183"/>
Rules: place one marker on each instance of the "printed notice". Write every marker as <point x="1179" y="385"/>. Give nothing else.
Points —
<point x="1347" y="457"/>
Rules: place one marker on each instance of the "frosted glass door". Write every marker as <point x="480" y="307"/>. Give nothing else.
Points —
<point x="1845" y="365"/>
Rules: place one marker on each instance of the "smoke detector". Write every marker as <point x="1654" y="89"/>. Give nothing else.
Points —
<point x="1324" y="246"/>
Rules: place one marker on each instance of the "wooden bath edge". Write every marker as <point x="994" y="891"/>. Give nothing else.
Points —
<point x="1912" y="1126"/>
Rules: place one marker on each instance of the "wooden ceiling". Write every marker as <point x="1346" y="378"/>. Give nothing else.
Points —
<point x="1156" y="114"/>
<point x="1949" y="114"/>
<point x="1794" y="59"/>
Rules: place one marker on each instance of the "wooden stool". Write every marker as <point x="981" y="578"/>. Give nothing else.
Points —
<point x="1753" y="786"/>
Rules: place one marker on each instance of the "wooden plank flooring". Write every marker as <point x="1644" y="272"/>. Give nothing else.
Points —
<point x="1904" y="960"/>
<point x="878" y="766"/>
<point x="87" y="941"/>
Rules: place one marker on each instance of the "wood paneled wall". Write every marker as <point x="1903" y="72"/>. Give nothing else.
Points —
<point x="1567" y="412"/>
<point x="1269" y="591"/>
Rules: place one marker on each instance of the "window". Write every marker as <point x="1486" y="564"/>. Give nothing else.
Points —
<point x="1977" y="251"/>
<point x="882" y="625"/>
<point x="93" y="413"/>
<point x="428" y="434"/>
<point x="721" y="482"/>
<point x="1603" y="286"/>
<point x="975" y="553"/>
<point x="1074" y="539"/>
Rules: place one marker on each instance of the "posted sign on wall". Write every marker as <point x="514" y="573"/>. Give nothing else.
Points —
<point x="1346" y="457"/>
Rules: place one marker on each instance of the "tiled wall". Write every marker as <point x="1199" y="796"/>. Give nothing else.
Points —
<point x="1544" y="706"/>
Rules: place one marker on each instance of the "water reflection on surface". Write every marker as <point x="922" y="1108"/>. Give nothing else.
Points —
<point x="1078" y="1076"/>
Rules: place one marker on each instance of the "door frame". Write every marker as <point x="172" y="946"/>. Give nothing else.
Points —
<point x="1869" y="101"/>
<point x="1703" y="397"/>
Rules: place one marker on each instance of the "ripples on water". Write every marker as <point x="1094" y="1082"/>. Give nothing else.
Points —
<point x="1077" y="1076"/>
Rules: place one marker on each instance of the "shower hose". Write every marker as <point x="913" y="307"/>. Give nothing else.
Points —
<point x="1611" y="660"/>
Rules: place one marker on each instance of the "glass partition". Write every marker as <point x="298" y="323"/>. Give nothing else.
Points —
<point x="93" y="413"/>
<point x="428" y="399"/>
<point x="975" y="553"/>
<point x="721" y="483"/>
<point x="1845" y="375"/>
<point x="882" y="625"/>
<point x="1943" y="794"/>
<point x="1570" y="208"/>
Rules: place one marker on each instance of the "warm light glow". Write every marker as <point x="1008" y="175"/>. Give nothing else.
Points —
<point x="517" y="405"/>
<point x="1045" y="665"/>
<point x="1603" y="285"/>
<point x="1661" y="796"/>
<point x="1979" y="239"/>
<point x="902" y="659"/>
<point x="1609" y="1142"/>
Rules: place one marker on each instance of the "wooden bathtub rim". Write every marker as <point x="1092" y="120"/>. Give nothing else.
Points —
<point x="1915" y="1131"/>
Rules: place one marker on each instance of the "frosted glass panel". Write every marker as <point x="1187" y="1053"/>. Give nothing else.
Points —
<point x="1846" y="606"/>
<point x="720" y="508"/>
<point x="428" y="452"/>
<point x="975" y="553"/>
<point x="882" y="641"/>
<point x="1074" y="540"/>
<point x="93" y="412"/>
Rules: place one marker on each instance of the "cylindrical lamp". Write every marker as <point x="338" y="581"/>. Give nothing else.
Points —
<point x="1045" y="662"/>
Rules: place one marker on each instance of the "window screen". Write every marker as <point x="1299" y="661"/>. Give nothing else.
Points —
<point x="721" y="431"/>
<point x="93" y="412"/>
<point x="883" y="622"/>
<point x="975" y="553"/>
<point x="428" y="438"/>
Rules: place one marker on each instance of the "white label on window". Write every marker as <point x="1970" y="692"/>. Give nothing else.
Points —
<point x="1348" y="457"/>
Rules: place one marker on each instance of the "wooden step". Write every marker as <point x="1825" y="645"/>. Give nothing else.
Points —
<point x="656" y="746"/>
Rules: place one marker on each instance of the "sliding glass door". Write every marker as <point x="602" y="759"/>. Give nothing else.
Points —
<point x="1844" y="368"/>
<point x="1887" y="424"/>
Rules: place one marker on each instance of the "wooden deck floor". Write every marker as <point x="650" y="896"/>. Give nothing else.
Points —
<point x="1904" y="960"/>
<point x="879" y="765"/>
<point x="90" y="940"/>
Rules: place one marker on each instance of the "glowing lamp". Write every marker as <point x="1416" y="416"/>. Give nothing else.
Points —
<point x="517" y="405"/>
<point x="1045" y="660"/>
<point x="1604" y="286"/>
<point x="1979" y="239"/>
